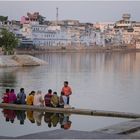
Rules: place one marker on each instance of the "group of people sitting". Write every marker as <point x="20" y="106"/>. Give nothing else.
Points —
<point x="51" y="99"/>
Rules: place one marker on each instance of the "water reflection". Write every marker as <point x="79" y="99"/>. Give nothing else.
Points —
<point x="90" y="62"/>
<point x="107" y="81"/>
<point x="21" y="116"/>
<point x="51" y="119"/>
<point x="8" y="77"/>
<point x="9" y="115"/>
<point x="30" y="116"/>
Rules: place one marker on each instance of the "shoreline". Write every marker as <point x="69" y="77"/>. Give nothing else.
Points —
<point x="20" y="61"/>
<point x="93" y="50"/>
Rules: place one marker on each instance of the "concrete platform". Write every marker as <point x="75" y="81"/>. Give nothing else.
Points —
<point x="69" y="134"/>
<point x="71" y="111"/>
<point x="125" y="130"/>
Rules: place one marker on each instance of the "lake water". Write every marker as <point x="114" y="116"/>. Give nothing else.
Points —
<point x="102" y="81"/>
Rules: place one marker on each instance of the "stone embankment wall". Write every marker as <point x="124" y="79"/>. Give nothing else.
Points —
<point x="80" y="48"/>
<point x="20" y="60"/>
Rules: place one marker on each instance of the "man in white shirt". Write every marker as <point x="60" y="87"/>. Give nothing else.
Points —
<point x="38" y="99"/>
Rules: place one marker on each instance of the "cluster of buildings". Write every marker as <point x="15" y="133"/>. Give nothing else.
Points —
<point x="34" y="31"/>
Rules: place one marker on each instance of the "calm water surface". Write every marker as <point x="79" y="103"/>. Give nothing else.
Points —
<point x="104" y="81"/>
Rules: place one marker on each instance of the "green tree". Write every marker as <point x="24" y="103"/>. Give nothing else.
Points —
<point x="41" y="19"/>
<point x="8" y="41"/>
<point x="3" y="18"/>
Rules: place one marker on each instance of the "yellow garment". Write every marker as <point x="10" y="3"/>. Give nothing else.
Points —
<point x="30" y="116"/>
<point x="55" y="119"/>
<point x="54" y="100"/>
<point x="30" y="99"/>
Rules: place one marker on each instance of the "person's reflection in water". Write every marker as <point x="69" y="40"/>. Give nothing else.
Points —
<point x="64" y="121"/>
<point x="52" y="119"/>
<point x="47" y="119"/>
<point x="38" y="117"/>
<point x="9" y="115"/>
<point x="30" y="116"/>
<point x="55" y="119"/>
<point x="21" y="116"/>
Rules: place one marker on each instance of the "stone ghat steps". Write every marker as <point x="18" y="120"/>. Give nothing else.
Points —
<point x="20" y="60"/>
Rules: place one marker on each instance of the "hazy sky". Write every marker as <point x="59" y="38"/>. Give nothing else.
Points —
<point x="85" y="11"/>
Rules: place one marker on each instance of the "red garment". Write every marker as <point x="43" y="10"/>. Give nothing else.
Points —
<point x="67" y="91"/>
<point x="47" y="99"/>
<point x="10" y="114"/>
<point x="6" y="98"/>
<point x="12" y="97"/>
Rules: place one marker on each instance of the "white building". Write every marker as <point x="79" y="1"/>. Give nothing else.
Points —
<point x="44" y="36"/>
<point x="92" y="38"/>
<point x="104" y="25"/>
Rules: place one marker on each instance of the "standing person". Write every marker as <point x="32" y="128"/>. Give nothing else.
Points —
<point x="30" y="98"/>
<point x="12" y="96"/>
<point x="67" y="91"/>
<point x="38" y="99"/>
<point x="54" y="100"/>
<point x="6" y="96"/>
<point x="21" y="97"/>
<point x="48" y="97"/>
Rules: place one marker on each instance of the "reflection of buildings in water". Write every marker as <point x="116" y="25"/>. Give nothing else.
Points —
<point x="137" y="67"/>
<point x="128" y="62"/>
<point x="120" y="62"/>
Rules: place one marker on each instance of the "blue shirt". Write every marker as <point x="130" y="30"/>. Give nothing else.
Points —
<point x="21" y="96"/>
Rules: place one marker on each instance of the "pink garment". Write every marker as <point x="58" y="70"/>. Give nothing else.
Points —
<point x="12" y="97"/>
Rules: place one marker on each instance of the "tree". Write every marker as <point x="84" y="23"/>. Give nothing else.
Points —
<point x="41" y="19"/>
<point x="8" y="41"/>
<point x="2" y="18"/>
